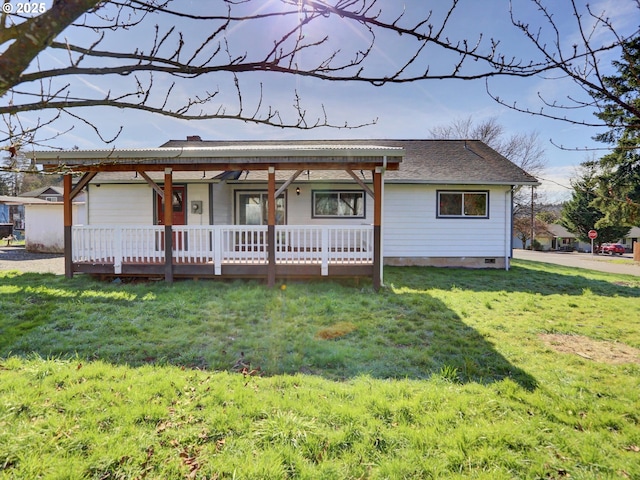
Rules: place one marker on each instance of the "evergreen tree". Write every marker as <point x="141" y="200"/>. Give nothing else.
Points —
<point x="581" y="213"/>
<point x="619" y="187"/>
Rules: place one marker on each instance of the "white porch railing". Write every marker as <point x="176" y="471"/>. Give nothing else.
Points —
<point x="223" y="244"/>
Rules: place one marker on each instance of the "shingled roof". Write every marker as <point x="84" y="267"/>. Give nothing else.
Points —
<point x="463" y="162"/>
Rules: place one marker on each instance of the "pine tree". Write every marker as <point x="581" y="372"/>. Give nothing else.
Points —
<point x="619" y="189"/>
<point x="581" y="213"/>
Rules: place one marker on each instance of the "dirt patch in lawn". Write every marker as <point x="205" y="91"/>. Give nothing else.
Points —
<point x="596" y="350"/>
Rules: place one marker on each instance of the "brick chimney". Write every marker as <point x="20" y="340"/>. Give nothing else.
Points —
<point x="193" y="138"/>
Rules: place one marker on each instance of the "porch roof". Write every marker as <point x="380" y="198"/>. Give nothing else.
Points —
<point x="226" y="157"/>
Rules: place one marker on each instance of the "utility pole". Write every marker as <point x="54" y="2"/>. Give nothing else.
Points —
<point x="532" y="218"/>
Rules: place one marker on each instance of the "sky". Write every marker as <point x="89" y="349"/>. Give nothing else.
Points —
<point x="404" y="111"/>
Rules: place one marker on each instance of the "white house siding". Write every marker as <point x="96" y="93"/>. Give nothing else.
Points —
<point x="412" y="235"/>
<point x="198" y="192"/>
<point x="44" y="226"/>
<point x="222" y="203"/>
<point x="120" y="204"/>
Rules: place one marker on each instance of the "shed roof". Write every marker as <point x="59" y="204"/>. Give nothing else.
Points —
<point x="206" y="155"/>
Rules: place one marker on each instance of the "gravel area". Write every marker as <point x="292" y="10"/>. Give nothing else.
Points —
<point x="17" y="258"/>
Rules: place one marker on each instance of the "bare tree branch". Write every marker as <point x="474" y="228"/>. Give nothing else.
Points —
<point x="185" y="41"/>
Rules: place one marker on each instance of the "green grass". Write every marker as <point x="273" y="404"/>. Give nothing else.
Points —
<point x="442" y="374"/>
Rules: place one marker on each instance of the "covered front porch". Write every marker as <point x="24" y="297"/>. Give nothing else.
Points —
<point x="223" y="250"/>
<point x="265" y="251"/>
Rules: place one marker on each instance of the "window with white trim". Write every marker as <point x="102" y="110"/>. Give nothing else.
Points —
<point x="463" y="204"/>
<point x="338" y="204"/>
<point x="251" y="208"/>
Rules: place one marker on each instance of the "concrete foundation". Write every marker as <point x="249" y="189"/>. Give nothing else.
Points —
<point x="454" y="262"/>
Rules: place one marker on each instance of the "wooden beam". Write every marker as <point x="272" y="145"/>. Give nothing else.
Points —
<point x="86" y="178"/>
<point x="288" y="182"/>
<point x="210" y="167"/>
<point x="377" y="229"/>
<point x="152" y="184"/>
<point x="361" y="183"/>
<point x="68" y="224"/>
<point x="271" y="227"/>
<point x="167" y="217"/>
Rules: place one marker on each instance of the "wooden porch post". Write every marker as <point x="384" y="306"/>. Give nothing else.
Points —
<point x="377" y="230"/>
<point x="68" y="223"/>
<point x="167" y="213"/>
<point x="271" y="228"/>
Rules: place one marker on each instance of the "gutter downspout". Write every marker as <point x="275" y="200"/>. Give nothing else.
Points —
<point x="384" y="169"/>
<point x="508" y="239"/>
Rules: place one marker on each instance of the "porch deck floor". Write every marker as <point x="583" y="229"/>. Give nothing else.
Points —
<point x="228" y="269"/>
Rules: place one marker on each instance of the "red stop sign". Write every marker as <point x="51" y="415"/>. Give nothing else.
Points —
<point x="593" y="234"/>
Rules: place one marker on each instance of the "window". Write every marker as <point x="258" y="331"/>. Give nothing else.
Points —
<point x="329" y="204"/>
<point x="463" y="204"/>
<point x="252" y="208"/>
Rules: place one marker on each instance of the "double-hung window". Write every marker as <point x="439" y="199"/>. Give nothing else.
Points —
<point x="463" y="204"/>
<point x="338" y="204"/>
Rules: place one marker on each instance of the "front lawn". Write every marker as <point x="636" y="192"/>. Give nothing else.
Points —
<point x="446" y="373"/>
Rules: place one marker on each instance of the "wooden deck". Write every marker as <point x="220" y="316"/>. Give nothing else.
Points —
<point x="223" y="251"/>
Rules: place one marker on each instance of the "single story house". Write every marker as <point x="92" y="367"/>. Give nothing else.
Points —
<point x="632" y="237"/>
<point x="559" y="238"/>
<point x="49" y="193"/>
<point x="340" y="207"/>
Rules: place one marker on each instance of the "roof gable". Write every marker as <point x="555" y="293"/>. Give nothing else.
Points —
<point x="43" y="191"/>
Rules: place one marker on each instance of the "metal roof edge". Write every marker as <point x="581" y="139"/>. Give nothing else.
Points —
<point x="454" y="182"/>
<point x="240" y="151"/>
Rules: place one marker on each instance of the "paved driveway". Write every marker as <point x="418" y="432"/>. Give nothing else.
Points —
<point x="603" y="263"/>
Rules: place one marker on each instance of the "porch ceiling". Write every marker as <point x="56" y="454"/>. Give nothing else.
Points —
<point x="245" y="157"/>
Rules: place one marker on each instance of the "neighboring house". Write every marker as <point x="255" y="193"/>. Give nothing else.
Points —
<point x="42" y="219"/>
<point x="434" y="202"/>
<point x="632" y="237"/>
<point x="50" y="194"/>
<point x="9" y="209"/>
<point x="559" y="238"/>
<point x="6" y="202"/>
<point x="44" y="226"/>
<point x="12" y="212"/>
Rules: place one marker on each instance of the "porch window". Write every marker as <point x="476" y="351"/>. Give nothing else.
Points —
<point x="454" y="204"/>
<point x="332" y="204"/>
<point x="251" y="208"/>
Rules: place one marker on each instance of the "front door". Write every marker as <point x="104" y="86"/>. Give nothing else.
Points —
<point x="178" y="206"/>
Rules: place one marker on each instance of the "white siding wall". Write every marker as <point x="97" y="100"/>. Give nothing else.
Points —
<point x="198" y="192"/>
<point x="44" y="226"/>
<point x="120" y="204"/>
<point x="222" y="199"/>
<point x="411" y="228"/>
<point x="133" y="204"/>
